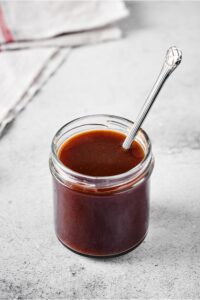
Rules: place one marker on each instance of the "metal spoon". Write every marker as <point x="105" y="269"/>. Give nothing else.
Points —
<point x="172" y="60"/>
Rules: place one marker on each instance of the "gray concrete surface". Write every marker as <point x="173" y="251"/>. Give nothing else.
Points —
<point x="112" y="78"/>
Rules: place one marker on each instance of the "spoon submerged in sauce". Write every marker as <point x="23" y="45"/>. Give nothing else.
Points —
<point x="172" y="60"/>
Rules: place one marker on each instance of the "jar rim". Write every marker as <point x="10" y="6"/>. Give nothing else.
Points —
<point x="96" y="180"/>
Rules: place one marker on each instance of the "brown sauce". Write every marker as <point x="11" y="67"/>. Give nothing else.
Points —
<point x="99" y="153"/>
<point x="100" y="224"/>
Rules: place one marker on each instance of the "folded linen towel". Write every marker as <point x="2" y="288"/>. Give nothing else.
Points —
<point x="47" y="30"/>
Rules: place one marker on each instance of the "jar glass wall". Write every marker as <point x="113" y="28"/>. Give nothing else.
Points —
<point x="101" y="216"/>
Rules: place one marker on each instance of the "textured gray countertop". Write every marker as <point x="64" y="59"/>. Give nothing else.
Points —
<point x="115" y="78"/>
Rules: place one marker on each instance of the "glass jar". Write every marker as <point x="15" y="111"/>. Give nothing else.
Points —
<point x="101" y="216"/>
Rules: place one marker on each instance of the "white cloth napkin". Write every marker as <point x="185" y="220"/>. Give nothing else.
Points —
<point x="42" y="34"/>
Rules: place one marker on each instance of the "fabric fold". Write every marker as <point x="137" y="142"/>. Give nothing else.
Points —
<point x="36" y="37"/>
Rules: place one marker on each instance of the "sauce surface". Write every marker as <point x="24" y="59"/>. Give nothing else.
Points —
<point x="99" y="153"/>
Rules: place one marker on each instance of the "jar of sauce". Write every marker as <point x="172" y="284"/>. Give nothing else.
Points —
<point x="101" y="194"/>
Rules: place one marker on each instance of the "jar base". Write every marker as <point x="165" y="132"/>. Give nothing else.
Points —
<point x="104" y="256"/>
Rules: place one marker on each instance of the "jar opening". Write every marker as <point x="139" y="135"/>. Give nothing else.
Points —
<point x="92" y="122"/>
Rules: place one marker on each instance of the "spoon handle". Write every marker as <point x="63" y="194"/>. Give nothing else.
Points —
<point x="172" y="60"/>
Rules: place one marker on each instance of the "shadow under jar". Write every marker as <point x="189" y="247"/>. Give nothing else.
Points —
<point x="106" y="215"/>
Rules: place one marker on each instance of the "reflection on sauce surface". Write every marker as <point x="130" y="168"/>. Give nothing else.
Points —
<point x="99" y="153"/>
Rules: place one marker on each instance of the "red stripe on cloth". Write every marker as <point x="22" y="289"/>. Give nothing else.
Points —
<point x="4" y="29"/>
